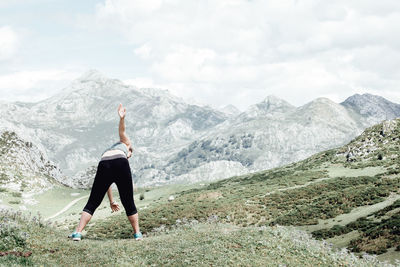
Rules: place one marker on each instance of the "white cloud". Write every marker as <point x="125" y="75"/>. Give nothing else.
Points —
<point x="34" y="85"/>
<point x="240" y="51"/>
<point x="185" y="63"/>
<point x="143" y="51"/>
<point x="8" y="42"/>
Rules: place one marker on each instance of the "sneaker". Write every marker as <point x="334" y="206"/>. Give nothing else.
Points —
<point x="75" y="236"/>
<point x="138" y="236"/>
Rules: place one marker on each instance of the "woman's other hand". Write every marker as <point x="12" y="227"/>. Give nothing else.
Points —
<point x="114" y="206"/>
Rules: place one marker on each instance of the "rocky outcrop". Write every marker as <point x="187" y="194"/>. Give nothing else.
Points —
<point x="371" y="143"/>
<point x="24" y="167"/>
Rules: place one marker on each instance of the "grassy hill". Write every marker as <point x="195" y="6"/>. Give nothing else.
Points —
<point x="309" y="194"/>
<point x="30" y="242"/>
<point x="348" y="196"/>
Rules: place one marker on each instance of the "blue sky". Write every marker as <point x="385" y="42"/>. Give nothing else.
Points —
<point x="217" y="52"/>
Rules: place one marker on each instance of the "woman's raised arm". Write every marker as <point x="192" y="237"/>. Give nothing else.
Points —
<point x="122" y="135"/>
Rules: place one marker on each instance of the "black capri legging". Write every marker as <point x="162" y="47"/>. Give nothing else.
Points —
<point x="112" y="171"/>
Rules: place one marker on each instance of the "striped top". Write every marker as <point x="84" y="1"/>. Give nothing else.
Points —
<point x="117" y="150"/>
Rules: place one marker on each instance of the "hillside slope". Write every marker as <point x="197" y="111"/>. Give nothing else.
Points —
<point x="25" y="171"/>
<point x="309" y="194"/>
<point x="30" y="242"/>
<point x="24" y="167"/>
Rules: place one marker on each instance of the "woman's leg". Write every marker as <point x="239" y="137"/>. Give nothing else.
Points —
<point x="101" y="183"/>
<point x="85" y="218"/>
<point x="134" y="220"/>
<point x="125" y="189"/>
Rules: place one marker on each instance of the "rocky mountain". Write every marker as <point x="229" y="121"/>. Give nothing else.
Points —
<point x="179" y="142"/>
<point x="76" y="125"/>
<point x="24" y="167"/>
<point x="273" y="133"/>
<point x="374" y="108"/>
<point x="230" y="110"/>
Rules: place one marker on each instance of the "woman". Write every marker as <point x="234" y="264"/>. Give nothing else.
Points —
<point x="113" y="168"/>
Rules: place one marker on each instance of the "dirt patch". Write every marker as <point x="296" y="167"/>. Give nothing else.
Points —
<point x="15" y="253"/>
<point x="210" y="195"/>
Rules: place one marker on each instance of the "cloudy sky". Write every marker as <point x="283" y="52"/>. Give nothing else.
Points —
<point x="218" y="52"/>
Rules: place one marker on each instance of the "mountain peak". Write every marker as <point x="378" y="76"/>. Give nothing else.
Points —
<point x="230" y="110"/>
<point x="272" y="102"/>
<point x="93" y="75"/>
<point x="270" y="105"/>
<point x="376" y="107"/>
<point x="364" y="98"/>
<point x="273" y="99"/>
<point x="322" y="100"/>
<point x="320" y="105"/>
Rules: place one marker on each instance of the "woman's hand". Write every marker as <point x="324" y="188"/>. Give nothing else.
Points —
<point x="121" y="111"/>
<point x="114" y="206"/>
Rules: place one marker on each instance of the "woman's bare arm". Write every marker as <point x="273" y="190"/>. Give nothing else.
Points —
<point x="122" y="135"/>
<point x="114" y="206"/>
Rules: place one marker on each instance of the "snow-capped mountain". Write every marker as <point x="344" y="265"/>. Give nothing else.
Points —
<point x="179" y="142"/>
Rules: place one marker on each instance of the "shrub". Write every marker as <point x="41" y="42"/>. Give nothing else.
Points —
<point x="11" y="237"/>
<point x="16" y="194"/>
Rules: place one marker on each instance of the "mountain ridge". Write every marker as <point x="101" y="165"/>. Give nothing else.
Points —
<point x="175" y="138"/>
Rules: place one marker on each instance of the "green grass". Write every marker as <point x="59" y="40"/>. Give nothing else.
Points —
<point x="323" y="188"/>
<point x="59" y="197"/>
<point x="340" y="171"/>
<point x="249" y="205"/>
<point x="379" y="232"/>
<point x="343" y="219"/>
<point x="188" y="245"/>
<point x="319" y="188"/>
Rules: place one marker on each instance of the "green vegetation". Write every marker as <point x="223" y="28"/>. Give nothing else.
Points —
<point x="16" y="194"/>
<point x="224" y="222"/>
<point x="59" y="197"/>
<point x="16" y="230"/>
<point x="300" y="194"/>
<point x="199" y="245"/>
<point x="248" y="204"/>
<point x="200" y="152"/>
<point x="380" y="231"/>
